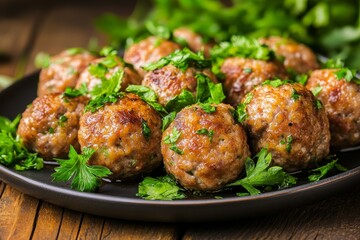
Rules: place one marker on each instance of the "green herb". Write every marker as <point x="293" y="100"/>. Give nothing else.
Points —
<point x="241" y="108"/>
<point x="262" y="175"/>
<point x="42" y="60"/>
<point x="167" y="120"/>
<point x="172" y="139"/>
<point x="85" y="178"/>
<point x="204" y="131"/>
<point x="218" y="197"/>
<point x="160" y="31"/>
<point x="74" y="51"/>
<point x="62" y="119"/>
<point x="316" y="90"/>
<point x="288" y="141"/>
<point x="275" y="83"/>
<point x="301" y="78"/>
<point x="51" y="130"/>
<point x="318" y="104"/>
<point x="207" y="91"/>
<point x="160" y="188"/>
<point x="346" y="74"/>
<point x="108" y="51"/>
<point x="242" y="194"/>
<point x="99" y="102"/>
<point x="146" y="131"/>
<point x="207" y="107"/>
<point x="98" y="70"/>
<point x="295" y="95"/>
<point x="147" y="95"/>
<point x="334" y="63"/>
<point x="322" y="171"/>
<point x="73" y="93"/>
<point x="182" y="59"/>
<point x="12" y="151"/>
<point x="248" y="70"/>
<point x="185" y="98"/>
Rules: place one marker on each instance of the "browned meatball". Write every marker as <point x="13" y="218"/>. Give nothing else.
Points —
<point x="242" y="75"/>
<point x="63" y="72"/>
<point x="50" y="125"/>
<point x="130" y="75"/>
<point x="193" y="40"/>
<point x="148" y="51"/>
<point x="168" y="82"/>
<point x="120" y="135"/>
<point x="342" y="104"/>
<point x="297" y="56"/>
<point x="289" y="122"/>
<point x="205" y="151"/>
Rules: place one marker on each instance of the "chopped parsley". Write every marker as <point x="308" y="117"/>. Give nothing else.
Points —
<point x="85" y="178"/>
<point x="146" y="131"/>
<point x="241" y="108"/>
<point x="62" y="119"/>
<point x="288" y="141"/>
<point x="160" y="188"/>
<point x="204" y="131"/>
<point x="207" y="107"/>
<point x="248" y="70"/>
<point x="108" y="51"/>
<point x="318" y="104"/>
<point x="322" y="171"/>
<point x="347" y="74"/>
<point x="301" y="78"/>
<point x="167" y="120"/>
<point x="74" y="51"/>
<point x="51" y="130"/>
<point x="42" y="60"/>
<point x="185" y="98"/>
<point x="182" y="59"/>
<point x="172" y="139"/>
<point x="275" y="83"/>
<point x="295" y="95"/>
<point x="333" y="63"/>
<point x="262" y="175"/>
<point x="316" y="90"/>
<point x="207" y="91"/>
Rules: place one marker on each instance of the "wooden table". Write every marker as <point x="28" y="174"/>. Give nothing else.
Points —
<point x="53" y="27"/>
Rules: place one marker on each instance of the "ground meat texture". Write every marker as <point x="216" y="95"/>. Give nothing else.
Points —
<point x="297" y="56"/>
<point x="63" y="72"/>
<point x="50" y="125"/>
<point x="242" y="75"/>
<point x="342" y="104"/>
<point x="288" y="122"/>
<point x="207" y="163"/>
<point x="116" y="133"/>
<point x="130" y="76"/>
<point x="149" y="51"/>
<point x="194" y="41"/>
<point x="168" y="82"/>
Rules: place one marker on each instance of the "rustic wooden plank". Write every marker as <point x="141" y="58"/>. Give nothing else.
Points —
<point x="70" y="224"/>
<point x="15" y="209"/>
<point x="335" y="218"/>
<point x="91" y="227"/>
<point x="48" y="221"/>
<point x="114" y="229"/>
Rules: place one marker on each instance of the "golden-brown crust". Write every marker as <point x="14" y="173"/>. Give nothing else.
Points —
<point x="242" y="75"/>
<point x="168" y="82"/>
<point x="206" y="164"/>
<point x="293" y="129"/>
<point x="297" y="56"/>
<point x="342" y="103"/>
<point x="148" y="51"/>
<point x="115" y="132"/>
<point x="42" y="130"/>
<point x="63" y="72"/>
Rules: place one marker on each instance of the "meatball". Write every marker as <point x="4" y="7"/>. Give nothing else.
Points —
<point x="205" y="151"/>
<point x="342" y="104"/>
<point x="290" y="123"/>
<point x="130" y="75"/>
<point x="241" y="75"/>
<point x="63" y="72"/>
<point x="193" y="40"/>
<point x="297" y="56"/>
<point x="169" y="81"/>
<point x="148" y="51"/>
<point x="126" y="136"/>
<point x="50" y="125"/>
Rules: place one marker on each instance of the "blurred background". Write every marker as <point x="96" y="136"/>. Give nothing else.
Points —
<point x="330" y="27"/>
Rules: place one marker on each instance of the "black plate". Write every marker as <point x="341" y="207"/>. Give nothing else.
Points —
<point x="119" y="200"/>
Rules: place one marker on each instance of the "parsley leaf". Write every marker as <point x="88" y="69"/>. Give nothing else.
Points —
<point x="241" y="108"/>
<point x="9" y="126"/>
<point x="74" y="51"/>
<point x="204" y="131"/>
<point x="322" y="171"/>
<point x="261" y="174"/>
<point x="167" y="120"/>
<point x="301" y="78"/>
<point x="208" y="91"/>
<point x="73" y="93"/>
<point x="275" y="83"/>
<point x="42" y="60"/>
<point x="185" y="98"/>
<point x="172" y="139"/>
<point x="108" y="51"/>
<point x="316" y="90"/>
<point x="182" y="59"/>
<point x="85" y="178"/>
<point x="295" y="95"/>
<point x="160" y="188"/>
<point x="147" y="95"/>
<point x="318" y="104"/>
<point x="288" y="141"/>
<point x="207" y="107"/>
<point x="345" y="74"/>
<point x="333" y="63"/>
<point x="146" y="131"/>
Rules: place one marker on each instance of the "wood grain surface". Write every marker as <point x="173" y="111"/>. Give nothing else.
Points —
<point x="54" y="27"/>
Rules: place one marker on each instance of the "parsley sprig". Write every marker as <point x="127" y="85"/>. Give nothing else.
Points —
<point x="172" y="139"/>
<point x="262" y="175"/>
<point x="85" y="178"/>
<point x="322" y="171"/>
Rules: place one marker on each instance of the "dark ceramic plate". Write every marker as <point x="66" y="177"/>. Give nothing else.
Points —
<point x="119" y="200"/>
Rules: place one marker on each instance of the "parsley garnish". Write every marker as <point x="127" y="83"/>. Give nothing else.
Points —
<point x="160" y="188"/>
<point x="12" y="151"/>
<point x="62" y="119"/>
<point x="185" y="98"/>
<point x="322" y="171"/>
<point x="301" y="78"/>
<point x="295" y="95"/>
<point x="316" y="90"/>
<point x="172" y="139"/>
<point x="204" y="131"/>
<point x="108" y="51"/>
<point x="167" y="120"/>
<point x="85" y="178"/>
<point x="42" y="60"/>
<point x="262" y="175"/>
<point x="207" y="107"/>
<point x="182" y="59"/>
<point x="348" y="75"/>
<point x="288" y="141"/>
<point x="146" y="131"/>
<point x="208" y="91"/>
<point x="333" y="63"/>
<point x="275" y="83"/>
<point x="73" y="93"/>
<point x="318" y="104"/>
<point x="241" y="108"/>
<point x="248" y="70"/>
<point x="74" y="51"/>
